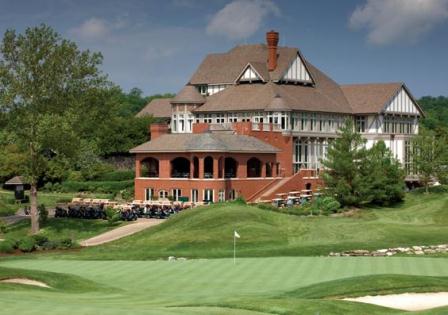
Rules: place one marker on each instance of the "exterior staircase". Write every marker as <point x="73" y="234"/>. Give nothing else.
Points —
<point x="296" y="182"/>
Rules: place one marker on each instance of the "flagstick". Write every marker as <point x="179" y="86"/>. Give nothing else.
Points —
<point x="234" y="248"/>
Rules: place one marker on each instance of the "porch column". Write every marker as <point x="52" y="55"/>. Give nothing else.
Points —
<point x="201" y="167"/>
<point x="263" y="169"/>
<point x="191" y="167"/>
<point x="215" y="167"/>
<point x="138" y="168"/>
<point x="242" y="169"/>
<point x="223" y="166"/>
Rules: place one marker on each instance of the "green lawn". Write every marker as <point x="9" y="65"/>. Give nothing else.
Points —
<point x="9" y="207"/>
<point x="282" y="285"/>
<point x="207" y="232"/>
<point x="61" y="228"/>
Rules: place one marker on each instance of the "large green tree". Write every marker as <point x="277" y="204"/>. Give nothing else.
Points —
<point x="343" y="162"/>
<point x="47" y="86"/>
<point x="383" y="176"/>
<point x="430" y="156"/>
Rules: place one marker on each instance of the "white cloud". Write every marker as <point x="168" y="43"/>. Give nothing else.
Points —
<point x="92" y="28"/>
<point x="241" y="18"/>
<point x="388" y="21"/>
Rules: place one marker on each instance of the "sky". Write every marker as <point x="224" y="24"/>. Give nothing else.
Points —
<point x="157" y="45"/>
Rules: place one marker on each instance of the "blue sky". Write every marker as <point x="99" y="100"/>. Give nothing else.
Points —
<point x="157" y="45"/>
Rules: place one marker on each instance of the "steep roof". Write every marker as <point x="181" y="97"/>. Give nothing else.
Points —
<point x="17" y="180"/>
<point x="205" y="142"/>
<point x="370" y="98"/>
<point x="225" y="67"/>
<point x="324" y="96"/>
<point x="189" y="94"/>
<point x="159" y="108"/>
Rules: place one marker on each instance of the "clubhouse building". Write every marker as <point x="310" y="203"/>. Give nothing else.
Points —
<point x="256" y="121"/>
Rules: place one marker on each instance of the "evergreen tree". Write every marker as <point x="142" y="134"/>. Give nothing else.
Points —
<point x="383" y="175"/>
<point x="343" y="162"/>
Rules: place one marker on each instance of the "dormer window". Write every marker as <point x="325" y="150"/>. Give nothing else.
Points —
<point x="203" y="89"/>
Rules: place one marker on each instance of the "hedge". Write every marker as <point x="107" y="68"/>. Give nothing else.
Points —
<point x="116" y="176"/>
<point x="96" y="186"/>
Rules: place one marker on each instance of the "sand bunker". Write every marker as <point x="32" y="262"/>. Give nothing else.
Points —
<point x="25" y="281"/>
<point x="406" y="301"/>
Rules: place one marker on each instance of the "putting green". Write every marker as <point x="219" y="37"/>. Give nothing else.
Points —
<point x="162" y="287"/>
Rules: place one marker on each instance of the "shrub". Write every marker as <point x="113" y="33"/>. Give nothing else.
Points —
<point x="40" y="239"/>
<point x="7" y="246"/>
<point x="65" y="243"/>
<point x="330" y="205"/>
<point x="112" y="215"/>
<point x="116" y="176"/>
<point x="128" y="194"/>
<point x="3" y="226"/>
<point x="240" y="200"/>
<point x="94" y="186"/>
<point x="27" y="244"/>
<point x="50" y="245"/>
<point x="43" y="214"/>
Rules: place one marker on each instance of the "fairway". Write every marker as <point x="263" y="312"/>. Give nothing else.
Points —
<point x="205" y="286"/>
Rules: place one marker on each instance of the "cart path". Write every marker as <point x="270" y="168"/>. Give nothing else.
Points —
<point x="122" y="231"/>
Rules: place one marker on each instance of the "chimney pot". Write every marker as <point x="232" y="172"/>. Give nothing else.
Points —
<point x="272" y="41"/>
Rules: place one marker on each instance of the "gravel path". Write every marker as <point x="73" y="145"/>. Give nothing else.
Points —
<point x="126" y="230"/>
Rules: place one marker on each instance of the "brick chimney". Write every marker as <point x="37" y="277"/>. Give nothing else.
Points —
<point x="158" y="129"/>
<point x="272" y="41"/>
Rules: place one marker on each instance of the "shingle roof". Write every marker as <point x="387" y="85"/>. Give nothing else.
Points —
<point x="159" y="108"/>
<point x="370" y="98"/>
<point x="17" y="180"/>
<point x="205" y="142"/>
<point x="225" y="67"/>
<point x="189" y="94"/>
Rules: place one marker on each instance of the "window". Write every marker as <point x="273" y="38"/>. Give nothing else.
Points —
<point x="194" y="195"/>
<point x="222" y="196"/>
<point x="163" y="194"/>
<point x="203" y="89"/>
<point x="360" y="123"/>
<point x="233" y="117"/>
<point x="149" y="193"/>
<point x="208" y="195"/>
<point x="176" y="193"/>
<point x="303" y="122"/>
<point x="232" y="194"/>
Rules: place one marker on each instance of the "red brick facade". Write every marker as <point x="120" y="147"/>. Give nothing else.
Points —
<point x="218" y="175"/>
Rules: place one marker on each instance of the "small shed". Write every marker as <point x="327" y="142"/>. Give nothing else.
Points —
<point x="19" y="186"/>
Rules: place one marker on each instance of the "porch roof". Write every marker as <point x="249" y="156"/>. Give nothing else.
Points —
<point x="205" y="142"/>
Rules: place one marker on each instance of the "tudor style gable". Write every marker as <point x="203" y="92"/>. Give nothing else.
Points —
<point x="403" y="103"/>
<point x="250" y="74"/>
<point x="297" y="72"/>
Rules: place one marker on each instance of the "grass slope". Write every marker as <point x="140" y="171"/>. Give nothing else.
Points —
<point x="216" y="286"/>
<point x="61" y="228"/>
<point x="208" y="232"/>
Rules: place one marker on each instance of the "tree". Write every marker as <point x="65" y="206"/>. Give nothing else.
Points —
<point x="345" y="156"/>
<point x="384" y="176"/>
<point x="430" y="156"/>
<point x="46" y="84"/>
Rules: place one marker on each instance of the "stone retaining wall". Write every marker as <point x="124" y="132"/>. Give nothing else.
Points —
<point x="413" y="250"/>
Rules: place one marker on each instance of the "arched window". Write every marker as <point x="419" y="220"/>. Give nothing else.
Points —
<point x="180" y="168"/>
<point x="253" y="167"/>
<point x="196" y="167"/>
<point x="150" y="167"/>
<point x="208" y="167"/>
<point x="230" y="167"/>
<point x="268" y="170"/>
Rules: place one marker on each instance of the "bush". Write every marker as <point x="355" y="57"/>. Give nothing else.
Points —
<point x="240" y="200"/>
<point x="43" y="214"/>
<point x="116" y="176"/>
<point x="7" y="246"/>
<point x="128" y="194"/>
<point x="112" y="215"/>
<point x="3" y="227"/>
<point x="40" y="239"/>
<point x="97" y="186"/>
<point x="65" y="243"/>
<point x="50" y="245"/>
<point x="330" y="205"/>
<point x="27" y="244"/>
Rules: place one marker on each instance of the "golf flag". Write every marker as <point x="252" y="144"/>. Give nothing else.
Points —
<point x="236" y="234"/>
